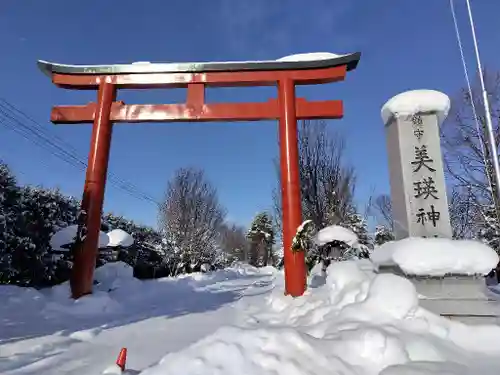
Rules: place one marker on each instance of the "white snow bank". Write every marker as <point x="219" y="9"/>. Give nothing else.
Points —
<point x="97" y="304"/>
<point x="268" y="351"/>
<point x="357" y="323"/>
<point x="118" y="237"/>
<point x="336" y="233"/>
<point x="416" y="101"/>
<point x="66" y="236"/>
<point x="114" y="275"/>
<point x="389" y="298"/>
<point x="311" y="56"/>
<point x="441" y="256"/>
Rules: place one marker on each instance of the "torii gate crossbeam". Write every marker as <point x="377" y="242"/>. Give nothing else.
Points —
<point x="108" y="79"/>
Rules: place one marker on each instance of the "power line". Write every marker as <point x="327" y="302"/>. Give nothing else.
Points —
<point x="40" y="137"/>
<point x="61" y="149"/>
<point x="486" y="103"/>
<point x="74" y="152"/>
<point x="471" y="96"/>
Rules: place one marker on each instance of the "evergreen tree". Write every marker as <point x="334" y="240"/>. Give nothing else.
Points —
<point x="382" y="235"/>
<point x="12" y="242"/>
<point x="261" y="238"/>
<point x="358" y="225"/>
<point x="29" y="217"/>
<point x="42" y="213"/>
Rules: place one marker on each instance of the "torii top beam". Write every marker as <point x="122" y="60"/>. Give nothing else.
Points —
<point x="317" y="69"/>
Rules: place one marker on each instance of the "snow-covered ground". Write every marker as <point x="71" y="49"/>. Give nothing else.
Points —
<point x="238" y="321"/>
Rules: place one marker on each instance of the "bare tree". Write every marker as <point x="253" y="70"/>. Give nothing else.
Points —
<point x="467" y="157"/>
<point x="460" y="204"/>
<point x="467" y="161"/>
<point x="380" y="207"/>
<point x="191" y="215"/>
<point x="327" y="182"/>
<point x="234" y="242"/>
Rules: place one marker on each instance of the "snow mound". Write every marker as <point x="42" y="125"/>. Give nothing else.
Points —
<point x="234" y="350"/>
<point x="442" y="256"/>
<point x="382" y="255"/>
<point x="389" y="298"/>
<point x="348" y="283"/>
<point x="113" y="275"/>
<point x="371" y="349"/>
<point x="428" y="368"/>
<point x="356" y="323"/>
<point x="66" y="236"/>
<point x="98" y="303"/>
<point x="336" y="233"/>
<point x="310" y="56"/>
<point x="86" y="334"/>
<point x="118" y="237"/>
<point x="416" y="101"/>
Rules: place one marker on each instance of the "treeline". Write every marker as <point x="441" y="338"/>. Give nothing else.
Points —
<point x="328" y="184"/>
<point x="193" y="233"/>
<point x="194" y="237"/>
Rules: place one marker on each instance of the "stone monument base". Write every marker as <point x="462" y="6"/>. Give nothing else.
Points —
<point x="457" y="297"/>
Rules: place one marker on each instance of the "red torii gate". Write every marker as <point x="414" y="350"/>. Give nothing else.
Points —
<point x="107" y="79"/>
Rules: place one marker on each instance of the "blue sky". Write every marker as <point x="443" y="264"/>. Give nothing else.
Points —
<point x="405" y="45"/>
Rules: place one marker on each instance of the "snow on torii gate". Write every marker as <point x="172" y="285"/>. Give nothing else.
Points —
<point x="107" y="79"/>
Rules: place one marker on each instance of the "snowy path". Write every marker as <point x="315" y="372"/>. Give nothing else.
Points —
<point x="91" y="350"/>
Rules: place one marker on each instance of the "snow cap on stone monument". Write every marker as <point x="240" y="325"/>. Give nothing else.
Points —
<point x="412" y="102"/>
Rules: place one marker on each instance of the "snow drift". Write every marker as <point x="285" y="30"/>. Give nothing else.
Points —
<point x="359" y="322"/>
<point x="238" y="321"/>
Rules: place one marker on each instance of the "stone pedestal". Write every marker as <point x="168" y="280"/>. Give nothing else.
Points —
<point x="457" y="297"/>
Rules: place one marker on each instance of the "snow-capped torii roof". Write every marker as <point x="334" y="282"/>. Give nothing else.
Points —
<point x="417" y="101"/>
<point x="314" y="60"/>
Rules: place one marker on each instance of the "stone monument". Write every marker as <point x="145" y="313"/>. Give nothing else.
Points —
<point x="418" y="190"/>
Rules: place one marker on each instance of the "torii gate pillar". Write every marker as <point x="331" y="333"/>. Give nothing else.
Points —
<point x="287" y="109"/>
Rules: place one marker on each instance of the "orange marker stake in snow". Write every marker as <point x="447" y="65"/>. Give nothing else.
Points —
<point x="122" y="359"/>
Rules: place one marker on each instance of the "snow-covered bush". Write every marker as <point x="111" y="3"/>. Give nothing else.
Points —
<point x="382" y="235"/>
<point x="333" y="243"/>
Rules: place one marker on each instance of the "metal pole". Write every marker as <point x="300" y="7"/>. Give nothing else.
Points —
<point x="489" y="122"/>
<point x="295" y="268"/>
